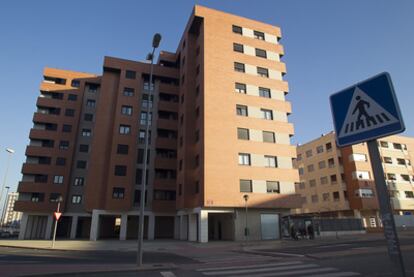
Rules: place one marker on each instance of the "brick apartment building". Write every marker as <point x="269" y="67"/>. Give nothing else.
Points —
<point x="219" y="131"/>
<point x="338" y="182"/>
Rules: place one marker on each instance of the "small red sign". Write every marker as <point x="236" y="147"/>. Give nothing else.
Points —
<point x="57" y="215"/>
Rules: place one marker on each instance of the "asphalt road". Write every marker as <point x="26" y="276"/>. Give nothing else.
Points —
<point x="344" y="258"/>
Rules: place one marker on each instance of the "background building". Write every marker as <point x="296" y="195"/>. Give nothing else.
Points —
<point x="219" y="131"/>
<point x="338" y="182"/>
<point x="10" y="217"/>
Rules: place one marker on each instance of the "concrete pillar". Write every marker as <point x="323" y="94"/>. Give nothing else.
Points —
<point x="74" y="227"/>
<point x="182" y="228"/>
<point x="203" y="226"/>
<point x="192" y="227"/>
<point x="94" y="225"/>
<point x="357" y="214"/>
<point x="23" y="225"/>
<point x="124" y="227"/>
<point x="151" y="226"/>
<point x="379" y="219"/>
<point x="177" y="227"/>
<point x="49" y="227"/>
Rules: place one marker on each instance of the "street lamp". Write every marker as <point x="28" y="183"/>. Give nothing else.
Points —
<point x="10" y="153"/>
<point x="59" y="200"/>
<point x="155" y="43"/>
<point x="4" y="207"/>
<point x="246" y="230"/>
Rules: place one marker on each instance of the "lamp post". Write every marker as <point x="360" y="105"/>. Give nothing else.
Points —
<point x="4" y="207"/>
<point x="246" y="230"/>
<point x="56" y="221"/>
<point x="10" y="153"/>
<point x="155" y="43"/>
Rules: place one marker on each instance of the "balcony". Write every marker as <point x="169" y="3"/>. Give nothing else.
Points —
<point x="28" y="206"/>
<point x="49" y="118"/>
<point x="163" y="205"/>
<point x="168" y="124"/>
<point x="169" y="143"/>
<point x="165" y="163"/>
<point x="167" y="106"/>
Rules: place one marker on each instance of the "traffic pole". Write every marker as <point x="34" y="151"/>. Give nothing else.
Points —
<point x="56" y="223"/>
<point x="390" y="232"/>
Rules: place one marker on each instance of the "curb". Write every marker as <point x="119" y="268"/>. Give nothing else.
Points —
<point x="153" y="267"/>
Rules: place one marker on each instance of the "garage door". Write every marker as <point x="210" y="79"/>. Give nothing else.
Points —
<point x="270" y="226"/>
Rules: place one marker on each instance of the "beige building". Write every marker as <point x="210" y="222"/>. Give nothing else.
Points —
<point x="11" y="217"/>
<point x="338" y="182"/>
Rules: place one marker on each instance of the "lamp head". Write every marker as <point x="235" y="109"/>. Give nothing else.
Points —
<point x="246" y="197"/>
<point x="156" y="40"/>
<point x="11" y="151"/>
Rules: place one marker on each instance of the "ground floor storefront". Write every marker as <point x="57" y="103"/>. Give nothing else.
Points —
<point x="199" y="224"/>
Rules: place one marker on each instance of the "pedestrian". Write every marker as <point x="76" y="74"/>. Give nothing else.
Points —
<point x="293" y="233"/>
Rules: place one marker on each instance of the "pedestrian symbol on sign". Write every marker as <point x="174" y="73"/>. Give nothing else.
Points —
<point x="364" y="114"/>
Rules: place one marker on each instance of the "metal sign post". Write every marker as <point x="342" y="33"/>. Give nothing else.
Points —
<point x="362" y="113"/>
<point x="390" y="232"/>
<point x="57" y="215"/>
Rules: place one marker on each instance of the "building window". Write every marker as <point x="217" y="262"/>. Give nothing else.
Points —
<point x="75" y="83"/>
<point x="126" y="110"/>
<point x="197" y="135"/>
<point x="314" y="198"/>
<point x="325" y="196"/>
<point x="243" y="133"/>
<point x="259" y="35"/>
<point x="144" y="117"/>
<point x="79" y="181"/>
<point x="331" y="163"/>
<point x="141" y="136"/>
<point x="308" y="153"/>
<point x="409" y="194"/>
<point x="324" y="180"/>
<point x="147" y="101"/>
<point x="397" y="146"/>
<point x="264" y="92"/>
<point x="364" y="193"/>
<point x="54" y="197"/>
<point x="312" y="182"/>
<point x="118" y="193"/>
<point x="405" y="177"/>
<point x="72" y="97"/>
<point x="66" y="128"/>
<point x="391" y="177"/>
<point x="130" y="74"/>
<point x="128" y="92"/>
<point x="335" y="195"/>
<point x="322" y="164"/>
<point x="241" y="110"/>
<point x="301" y="185"/>
<point x="86" y="132"/>
<point x="93" y="88"/>
<point x="401" y="161"/>
<point x="246" y="186"/>
<point x="122" y="149"/>
<point x="90" y="103"/>
<point x="197" y="161"/>
<point x="263" y="72"/>
<point x="70" y="112"/>
<point x="64" y="145"/>
<point x="81" y="164"/>
<point x="238" y="47"/>
<point x="328" y="147"/>
<point x="120" y="170"/>
<point x="197" y="187"/>
<point x="240" y="88"/>
<point x="84" y="148"/>
<point x="88" y="117"/>
<point x="237" y="30"/>
<point x="60" y="161"/>
<point x="269" y="137"/>
<point x="124" y="129"/>
<point x="301" y="170"/>
<point x="244" y="159"/>
<point x="37" y="197"/>
<point x="261" y="53"/>
<point x="319" y="149"/>
<point x="334" y="179"/>
<point x="272" y="187"/>
<point x="270" y="161"/>
<point x="76" y="199"/>
<point x="311" y="168"/>
<point x="58" y="179"/>
<point x="267" y="114"/>
<point x="239" y="67"/>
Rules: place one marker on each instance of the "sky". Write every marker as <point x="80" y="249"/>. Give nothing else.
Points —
<point x="329" y="45"/>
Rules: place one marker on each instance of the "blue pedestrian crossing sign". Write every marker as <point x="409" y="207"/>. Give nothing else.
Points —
<point x="366" y="111"/>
